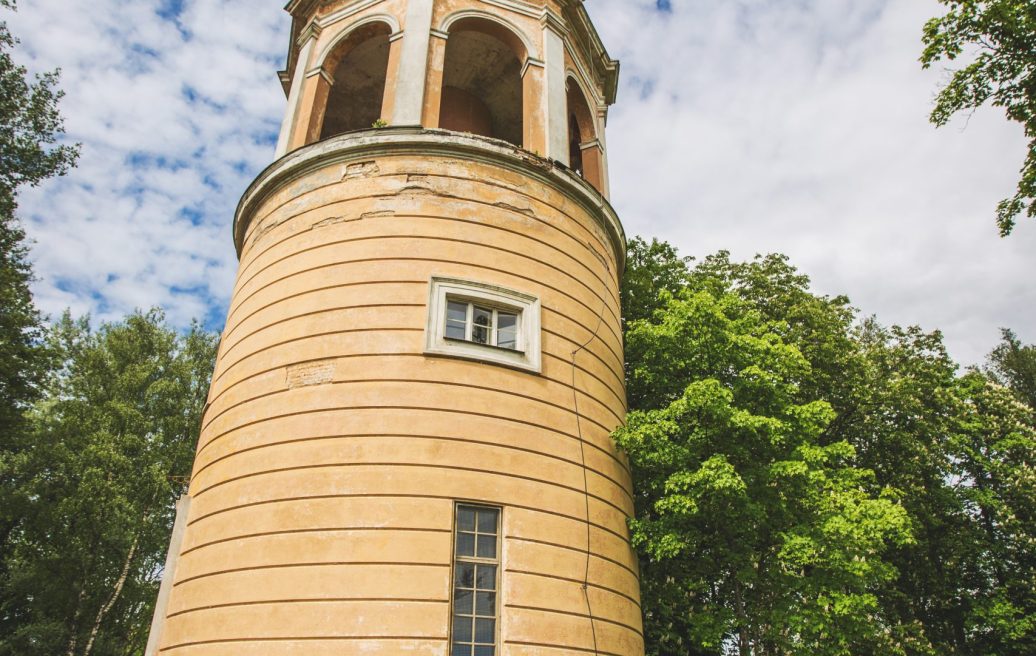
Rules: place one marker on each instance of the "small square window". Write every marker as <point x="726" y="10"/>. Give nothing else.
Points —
<point x="483" y="322"/>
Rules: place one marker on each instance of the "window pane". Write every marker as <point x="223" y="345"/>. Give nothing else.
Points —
<point x="456" y="320"/>
<point x="486" y="579"/>
<point x="457" y="311"/>
<point x="462" y="602"/>
<point x="485" y="604"/>
<point x="466" y="519"/>
<point x="465" y="575"/>
<point x="487" y="520"/>
<point x="462" y="629"/>
<point x="507" y="330"/>
<point x="455" y="330"/>
<point x="484" y="650"/>
<point x="483" y="319"/>
<point x="465" y="544"/>
<point x="485" y="631"/>
<point x="483" y="316"/>
<point x="487" y="546"/>
<point x="461" y="650"/>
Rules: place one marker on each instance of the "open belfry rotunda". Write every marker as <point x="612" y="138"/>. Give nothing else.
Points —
<point x="407" y="444"/>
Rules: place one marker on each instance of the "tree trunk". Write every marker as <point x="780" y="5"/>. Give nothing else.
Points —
<point x="744" y="642"/>
<point x="75" y="623"/>
<point x="115" y="596"/>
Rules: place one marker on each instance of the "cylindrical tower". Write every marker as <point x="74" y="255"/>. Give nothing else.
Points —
<point x="406" y="448"/>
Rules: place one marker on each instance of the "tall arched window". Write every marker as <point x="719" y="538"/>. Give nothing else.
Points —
<point x="482" y="89"/>
<point x="586" y="155"/>
<point x="359" y="67"/>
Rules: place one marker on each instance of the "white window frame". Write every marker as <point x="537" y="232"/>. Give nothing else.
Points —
<point x="527" y="307"/>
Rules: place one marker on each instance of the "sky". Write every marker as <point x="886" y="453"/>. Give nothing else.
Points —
<point x="754" y="126"/>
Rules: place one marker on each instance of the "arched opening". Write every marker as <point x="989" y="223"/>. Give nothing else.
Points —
<point x="359" y="67"/>
<point x="482" y="90"/>
<point x="585" y="153"/>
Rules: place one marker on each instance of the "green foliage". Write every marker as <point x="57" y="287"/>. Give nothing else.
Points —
<point x="1013" y="365"/>
<point x="810" y="483"/>
<point x="996" y="38"/>
<point x="29" y="126"/>
<point x="754" y="531"/>
<point x="112" y="442"/>
<point x="650" y="268"/>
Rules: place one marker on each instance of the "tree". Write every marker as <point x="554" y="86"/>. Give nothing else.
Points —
<point x="754" y="531"/>
<point x="1013" y="365"/>
<point x="29" y="127"/>
<point x="953" y="453"/>
<point x="997" y="38"/>
<point x="995" y="476"/>
<point x="113" y="438"/>
<point x="650" y="269"/>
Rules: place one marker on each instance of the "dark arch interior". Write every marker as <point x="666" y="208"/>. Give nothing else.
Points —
<point x="482" y="87"/>
<point x="358" y="92"/>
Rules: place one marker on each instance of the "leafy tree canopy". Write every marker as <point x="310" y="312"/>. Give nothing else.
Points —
<point x="998" y="40"/>
<point x="112" y="439"/>
<point x="810" y="483"/>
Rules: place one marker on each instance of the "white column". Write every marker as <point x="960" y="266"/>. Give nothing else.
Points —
<point x="413" y="65"/>
<point x="602" y="128"/>
<point x="171" y="558"/>
<point x="556" y="96"/>
<point x="301" y="65"/>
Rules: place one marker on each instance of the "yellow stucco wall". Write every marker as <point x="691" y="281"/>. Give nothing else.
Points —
<point x="334" y="449"/>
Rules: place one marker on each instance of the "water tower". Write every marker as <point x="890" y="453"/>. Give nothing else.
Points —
<point x="406" y="448"/>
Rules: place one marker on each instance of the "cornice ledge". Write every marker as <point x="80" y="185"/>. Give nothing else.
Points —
<point x="420" y="141"/>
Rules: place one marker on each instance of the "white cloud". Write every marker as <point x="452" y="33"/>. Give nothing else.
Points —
<point x="751" y="125"/>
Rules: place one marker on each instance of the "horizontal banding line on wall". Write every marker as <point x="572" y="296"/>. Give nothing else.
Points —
<point x="254" y="259"/>
<point x="565" y="385"/>
<point x="230" y="346"/>
<point x="422" y="382"/>
<point x="590" y="234"/>
<point x="616" y="365"/>
<point x="307" y="531"/>
<point x="581" y="520"/>
<point x="614" y="302"/>
<point x="422" y="356"/>
<point x="262" y="568"/>
<point x="326" y="310"/>
<point x="544" y="427"/>
<point x="416" y="465"/>
<point x="620" y="399"/>
<point x="472" y="265"/>
<point x="315" y="290"/>
<point x="595" y="618"/>
<point x="609" y="367"/>
<point x="579" y="550"/>
<point x="231" y="320"/>
<point x="226" y="641"/>
<point x="566" y="579"/>
<point x="330" y="333"/>
<point x="372" y="436"/>
<point x="286" y="602"/>
<point x="544" y="645"/>
<point x="294" y="340"/>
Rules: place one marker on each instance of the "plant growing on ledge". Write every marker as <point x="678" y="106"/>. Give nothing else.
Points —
<point x="380" y="123"/>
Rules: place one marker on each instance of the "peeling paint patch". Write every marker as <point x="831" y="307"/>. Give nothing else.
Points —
<point x="377" y="214"/>
<point x="310" y="374"/>
<point x="333" y="220"/>
<point x="361" y="170"/>
<point x="527" y="211"/>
